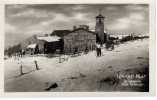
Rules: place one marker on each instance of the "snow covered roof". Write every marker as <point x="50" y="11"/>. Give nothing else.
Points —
<point x="49" y="38"/>
<point x="99" y="16"/>
<point x="32" y="46"/>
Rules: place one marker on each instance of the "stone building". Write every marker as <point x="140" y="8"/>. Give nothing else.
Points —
<point x="79" y="40"/>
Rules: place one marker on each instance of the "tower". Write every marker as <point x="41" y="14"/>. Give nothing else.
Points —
<point x="99" y="28"/>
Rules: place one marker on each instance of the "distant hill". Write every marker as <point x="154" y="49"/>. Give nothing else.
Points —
<point x="30" y="40"/>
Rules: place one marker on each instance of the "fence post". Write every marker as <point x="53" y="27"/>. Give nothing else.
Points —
<point x="36" y="65"/>
<point x="60" y="58"/>
<point x="21" y="71"/>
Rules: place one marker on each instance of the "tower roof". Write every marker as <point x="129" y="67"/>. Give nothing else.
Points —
<point x="99" y="16"/>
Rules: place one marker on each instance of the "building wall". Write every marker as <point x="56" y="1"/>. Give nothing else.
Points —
<point x="80" y="40"/>
<point x="51" y="47"/>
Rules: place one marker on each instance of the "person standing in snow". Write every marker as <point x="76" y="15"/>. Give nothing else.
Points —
<point x="98" y="50"/>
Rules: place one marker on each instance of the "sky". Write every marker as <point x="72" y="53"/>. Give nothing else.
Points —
<point x="23" y="21"/>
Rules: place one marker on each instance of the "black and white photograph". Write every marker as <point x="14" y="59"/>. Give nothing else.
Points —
<point x="76" y="47"/>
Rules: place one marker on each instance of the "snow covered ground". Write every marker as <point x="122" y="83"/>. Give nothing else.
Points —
<point x="87" y="73"/>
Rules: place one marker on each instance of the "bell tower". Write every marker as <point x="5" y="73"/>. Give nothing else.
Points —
<point x="99" y="28"/>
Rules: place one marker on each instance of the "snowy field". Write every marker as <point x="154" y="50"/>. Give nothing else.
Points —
<point x="86" y="73"/>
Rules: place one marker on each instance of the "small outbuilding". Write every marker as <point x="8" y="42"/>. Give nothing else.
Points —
<point x="51" y="43"/>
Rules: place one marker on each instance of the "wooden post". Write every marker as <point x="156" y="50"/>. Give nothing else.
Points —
<point x="21" y="71"/>
<point x="60" y="58"/>
<point x="36" y="65"/>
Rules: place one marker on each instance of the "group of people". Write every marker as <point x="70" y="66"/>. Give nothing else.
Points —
<point x="109" y="45"/>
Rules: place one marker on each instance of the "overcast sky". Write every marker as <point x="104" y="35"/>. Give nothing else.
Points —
<point x="22" y="21"/>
